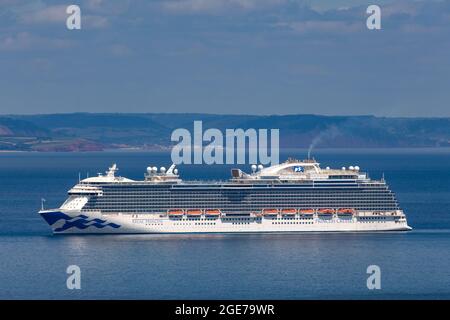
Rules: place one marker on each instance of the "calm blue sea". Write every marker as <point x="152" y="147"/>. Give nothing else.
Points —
<point x="292" y="266"/>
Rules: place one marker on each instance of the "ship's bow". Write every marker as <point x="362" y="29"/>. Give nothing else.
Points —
<point x="76" y="222"/>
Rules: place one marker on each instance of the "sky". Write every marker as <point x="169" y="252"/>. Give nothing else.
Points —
<point x="226" y="56"/>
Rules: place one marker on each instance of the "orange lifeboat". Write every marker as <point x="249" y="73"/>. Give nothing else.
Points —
<point x="175" y="212"/>
<point x="270" y="212"/>
<point x="194" y="212"/>
<point x="325" y="211"/>
<point x="288" y="212"/>
<point x="346" y="211"/>
<point x="212" y="212"/>
<point x="306" y="212"/>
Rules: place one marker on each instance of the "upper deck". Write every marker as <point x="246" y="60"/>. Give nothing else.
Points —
<point x="290" y="172"/>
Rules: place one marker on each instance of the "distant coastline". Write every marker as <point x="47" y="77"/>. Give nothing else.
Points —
<point x="151" y="131"/>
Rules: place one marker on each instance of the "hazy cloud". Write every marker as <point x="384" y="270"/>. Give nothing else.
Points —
<point x="334" y="27"/>
<point x="27" y="41"/>
<point x="38" y="12"/>
<point x="108" y="7"/>
<point x="51" y="14"/>
<point x="215" y="6"/>
<point x="95" y="22"/>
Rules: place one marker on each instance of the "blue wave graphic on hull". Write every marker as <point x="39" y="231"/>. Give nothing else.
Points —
<point x="81" y="221"/>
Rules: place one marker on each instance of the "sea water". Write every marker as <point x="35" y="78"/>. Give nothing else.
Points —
<point x="33" y="262"/>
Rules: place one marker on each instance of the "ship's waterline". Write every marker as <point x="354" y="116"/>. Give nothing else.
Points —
<point x="295" y="196"/>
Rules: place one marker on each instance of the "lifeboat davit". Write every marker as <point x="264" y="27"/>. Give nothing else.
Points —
<point x="306" y="212"/>
<point x="175" y="212"/>
<point x="270" y="212"/>
<point x="325" y="211"/>
<point x="212" y="212"/>
<point x="346" y="211"/>
<point x="194" y="212"/>
<point x="288" y="212"/>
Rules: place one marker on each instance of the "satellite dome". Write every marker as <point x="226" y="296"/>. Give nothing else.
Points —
<point x="344" y="168"/>
<point x="351" y="168"/>
<point x="356" y="168"/>
<point x="254" y="167"/>
<point x="154" y="169"/>
<point x="175" y="171"/>
<point x="260" y="167"/>
<point x="162" y="169"/>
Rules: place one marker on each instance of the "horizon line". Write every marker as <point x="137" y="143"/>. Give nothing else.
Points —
<point x="220" y="114"/>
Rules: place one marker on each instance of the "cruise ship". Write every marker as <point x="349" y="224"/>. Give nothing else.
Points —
<point x="294" y="196"/>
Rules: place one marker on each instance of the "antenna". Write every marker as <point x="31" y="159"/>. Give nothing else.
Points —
<point x="42" y="203"/>
<point x="79" y="176"/>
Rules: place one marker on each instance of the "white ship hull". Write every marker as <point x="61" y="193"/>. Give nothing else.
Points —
<point x="76" y="222"/>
